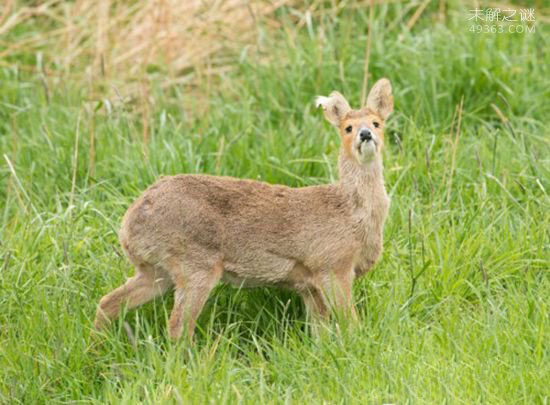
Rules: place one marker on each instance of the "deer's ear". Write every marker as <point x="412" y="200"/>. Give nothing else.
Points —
<point x="335" y="107"/>
<point x="380" y="98"/>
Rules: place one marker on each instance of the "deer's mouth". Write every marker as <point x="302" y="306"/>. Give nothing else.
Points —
<point x="363" y="145"/>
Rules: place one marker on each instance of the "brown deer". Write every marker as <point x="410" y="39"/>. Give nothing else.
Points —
<point x="188" y="232"/>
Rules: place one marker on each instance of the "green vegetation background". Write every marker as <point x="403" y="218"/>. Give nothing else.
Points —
<point x="457" y="309"/>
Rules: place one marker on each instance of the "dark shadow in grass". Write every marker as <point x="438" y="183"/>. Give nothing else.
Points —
<point x="244" y="315"/>
<point x="260" y="313"/>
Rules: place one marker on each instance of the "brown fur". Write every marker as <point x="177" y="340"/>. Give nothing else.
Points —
<point x="192" y="231"/>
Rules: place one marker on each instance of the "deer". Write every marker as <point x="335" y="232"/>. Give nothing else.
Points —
<point x="189" y="232"/>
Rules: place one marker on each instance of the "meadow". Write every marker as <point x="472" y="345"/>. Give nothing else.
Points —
<point x="456" y="311"/>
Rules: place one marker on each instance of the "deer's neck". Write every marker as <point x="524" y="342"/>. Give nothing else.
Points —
<point x="363" y="183"/>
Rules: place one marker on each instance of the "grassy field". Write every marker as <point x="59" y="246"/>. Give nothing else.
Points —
<point x="457" y="309"/>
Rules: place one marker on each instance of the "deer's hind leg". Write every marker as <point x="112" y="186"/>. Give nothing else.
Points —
<point x="194" y="278"/>
<point x="147" y="284"/>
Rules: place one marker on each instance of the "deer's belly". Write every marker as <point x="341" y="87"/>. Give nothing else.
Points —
<point x="236" y="280"/>
<point x="262" y="270"/>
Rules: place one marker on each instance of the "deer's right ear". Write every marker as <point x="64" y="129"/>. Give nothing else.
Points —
<point x="335" y="107"/>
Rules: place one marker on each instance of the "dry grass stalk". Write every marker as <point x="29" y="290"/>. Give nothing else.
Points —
<point x="116" y="40"/>
<point x="454" y="149"/>
<point x="417" y="14"/>
<point x="367" y="54"/>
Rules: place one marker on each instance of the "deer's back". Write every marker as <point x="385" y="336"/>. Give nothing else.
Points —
<point x="259" y="230"/>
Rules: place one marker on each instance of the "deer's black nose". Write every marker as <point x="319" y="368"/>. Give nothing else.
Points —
<point x="365" y="135"/>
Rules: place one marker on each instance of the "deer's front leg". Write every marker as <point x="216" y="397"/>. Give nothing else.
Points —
<point x="337" y="292"/>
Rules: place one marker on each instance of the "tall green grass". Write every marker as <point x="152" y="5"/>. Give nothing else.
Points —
<point x="457" y="309"/>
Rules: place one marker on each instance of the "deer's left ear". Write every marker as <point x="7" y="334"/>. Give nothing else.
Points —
<point x="380" y="98"/>
<point x="335" y="107"/>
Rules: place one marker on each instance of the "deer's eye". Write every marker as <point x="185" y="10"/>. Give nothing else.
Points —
<point x="349" y="128"/>
<point x="376" y="124"/>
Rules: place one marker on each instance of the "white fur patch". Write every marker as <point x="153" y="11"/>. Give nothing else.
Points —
<point x="321" y="101"/>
